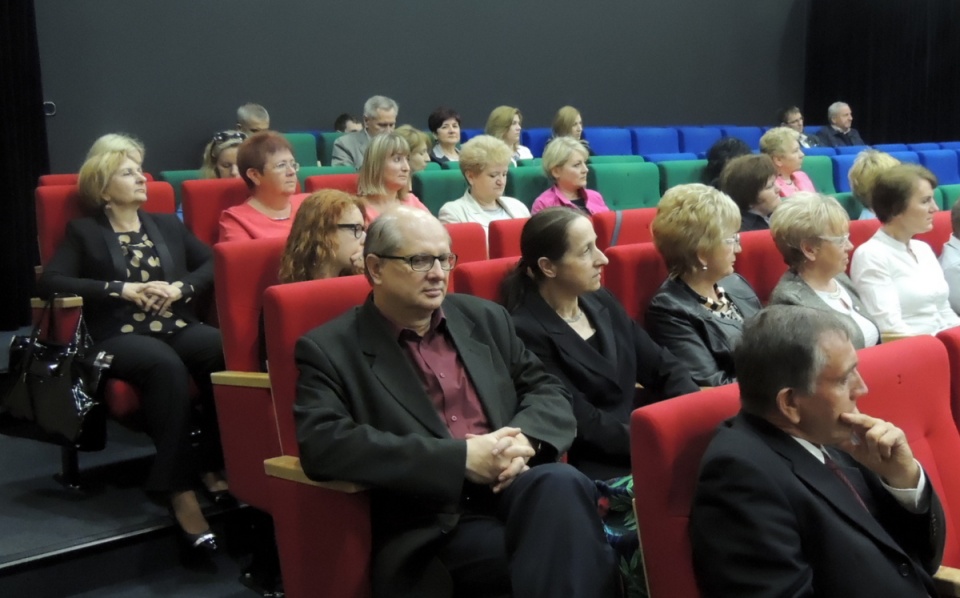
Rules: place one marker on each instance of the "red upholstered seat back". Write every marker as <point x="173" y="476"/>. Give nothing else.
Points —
<point x="634" y="274"/>
<point x="951" y="340"/>
<point x="634" y="227"/>
<point x="468" y="240"/>
<point x="504" y="240"/>
<point x="70" y="179"/>
<point x="243" y="271"/>
<point x="482" y="279"/>
<point x="861" y="231"/>
<point x="939" y="234"/>
<point x="204" y="199"/>
<point x="290" y="311"/>
<point x="909" y="385"/>
<point x="760" y="262"/>
<point x="56" y="205"/>
<point x="668" y="440"/>
<point x="344" y="182"/>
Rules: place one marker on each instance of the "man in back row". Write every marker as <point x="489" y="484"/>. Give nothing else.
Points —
<point x="252" y="118"/>
<point x="840" y="131"/>
<point x="801" y="494"/>
<point x="379" y="116"/>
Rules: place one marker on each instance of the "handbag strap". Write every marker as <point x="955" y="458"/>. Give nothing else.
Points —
<point x="616" y="229"/>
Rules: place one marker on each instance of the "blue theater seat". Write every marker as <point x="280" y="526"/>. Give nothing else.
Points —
<point x="654" y="140"/>
<point x="669" y="157"/>
<point x="851" y="149"/>
<point x="950" y="145"/>
<point x="819" y="151"/>
<point x="841" y="166"/>
<point x="923" y="147"/>
<point x="942" y="163"/>
<point x="750" y="135"/>
<point x="608" y="141"/>
<point x="698" y="140"/>
<point x="466" y="134"/>
<point x="535" y="139"/>
<point x="906" y="157"/>
<point x="891" y="147"/>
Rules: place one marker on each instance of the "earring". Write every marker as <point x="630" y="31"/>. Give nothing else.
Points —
<point x="704" y="267"/>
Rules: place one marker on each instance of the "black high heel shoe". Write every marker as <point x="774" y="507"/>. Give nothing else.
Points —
<point x="220" y="498"/>
<point x="204" y="542"/>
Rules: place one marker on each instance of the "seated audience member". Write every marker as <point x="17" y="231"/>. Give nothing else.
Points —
<point x="266" y="164"/>
<point x="384" y="181"/>
<point x="792" y="118"/>
<point x="139" y="275"/>
<point x="812" y="232"/>
<point x="484" y="162"/>
<point x="840" y="131"/>
<point x="379" y="116"/>
<point x="567" y="122"/>
<point x="419" y="143"/>
<point x="801" y="494"/>
<point x="783" y="148"/>
<point x="585" y="338"/>
<point x="950" y="259"/>
<point x="326" y="239"/>
<point x="863" y="173"/>
<point x="565" y="164"/>
<point x="698" y="312"/>
<point x="118" y="142"/>
<point x="898" y="277"/>
<point x="721" y="152"/>
<point x="466" y="496"/>
<point x="252" y="119"/>
<point x="504" y="124"/>
<point x="220" y="155"/>
<point x="750" y="181"/>
<point x="347" y="123"/>
<point x="444" y="123"/>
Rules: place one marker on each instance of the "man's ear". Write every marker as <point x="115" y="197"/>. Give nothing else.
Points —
<point x="788" y="405"/>
<point x="374" y="268"/>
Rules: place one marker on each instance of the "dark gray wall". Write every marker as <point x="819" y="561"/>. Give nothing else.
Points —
<point x="173" y="72"/>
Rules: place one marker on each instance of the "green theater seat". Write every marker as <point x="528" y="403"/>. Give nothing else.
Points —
<point x="325" y="146"/>
<point x="437" y="187"/>
<point x="820" y="171"/>
<point x="176" y="178"/>
<point x="614" y="159"/>
<point x="849" y="203"/>
<point x="680" y="172"/>
<point x="626" y="185"/>
<point x="537" y="162"/>
<point x="526" y="183"/>
<point x="308" y="171"/>
<point x="950" y="195"/>
<point x="304" y="148"/>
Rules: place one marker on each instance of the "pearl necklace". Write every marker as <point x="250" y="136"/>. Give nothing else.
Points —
<point x="574" y="319"/>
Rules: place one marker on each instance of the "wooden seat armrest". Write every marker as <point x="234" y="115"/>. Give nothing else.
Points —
<point x="59" y="303"/>
<point x="889" y="337"/>
<point x="287" y="467"/>
<point x="245" y="379"/>
<point x="947" y="581"/>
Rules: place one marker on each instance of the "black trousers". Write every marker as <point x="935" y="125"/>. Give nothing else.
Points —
<point x="541" y="536"/>
<point x="160" y="367"/>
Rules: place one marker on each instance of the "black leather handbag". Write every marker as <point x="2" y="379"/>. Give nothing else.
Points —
<point x="51" y="390"/>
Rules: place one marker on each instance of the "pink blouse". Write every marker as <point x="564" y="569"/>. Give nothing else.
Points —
<point x="801" y="182"/>
<point x="410" y="200"/>
<point x="244" y="222"/>
<point x="552" y="198"/>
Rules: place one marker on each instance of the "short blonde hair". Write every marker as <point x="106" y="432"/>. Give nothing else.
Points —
<point x="804" y="218"/>
<point x="382" y="147"/>
<point x="500" y="121"/>
<point x="482" y="151"/>
<point x="558" y="151"/>
<point x="118" y="142"/>
<point x="692" y="218"/>
<point x="863" y="174"/>
<point x="221" y="141"/>
<point x="564" y="120"/>
<point x="776" y="141"/>
<point x="414" y="137"/>
<point x="95" y="175"/>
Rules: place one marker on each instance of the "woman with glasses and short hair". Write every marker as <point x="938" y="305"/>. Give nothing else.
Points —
<point x="698" y="312"/>
<point x="266" y="164"/>
<point x="220" y="155"/>
<point x="812" y="231"/>
<point x="384" y="181"/>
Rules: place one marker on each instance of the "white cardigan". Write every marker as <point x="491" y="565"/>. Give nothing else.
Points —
<point x="466" y="209"/>
<point x="904" y="293"/>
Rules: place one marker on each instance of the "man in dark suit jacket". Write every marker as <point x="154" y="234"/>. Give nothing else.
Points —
<point x="840" y="131"/>
<point x="434" y="403"/>
<point x="801" y="494"/>
<point x="379" y="116"/>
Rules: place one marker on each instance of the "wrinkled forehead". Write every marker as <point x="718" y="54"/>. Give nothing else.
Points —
<point x="421" y="235"/>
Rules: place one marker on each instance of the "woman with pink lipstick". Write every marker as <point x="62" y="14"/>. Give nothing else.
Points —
<point x="384" y="180"/>
<point x="698" y="312"/>
<point x="565" y="163"/>
<point x="782" y="144"/>
<point x="898" y="277"/>
<point x="812" y="232"/>
<point x="266" y="164"/>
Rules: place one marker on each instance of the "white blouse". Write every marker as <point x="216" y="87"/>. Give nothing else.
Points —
<point x="843" y="303"/>
<point x="903" y="289"/>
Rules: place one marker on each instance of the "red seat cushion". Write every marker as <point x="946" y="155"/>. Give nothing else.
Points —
<point x="483" y="279"/>
<point x="504" y="240"/>
<point x="634" y="227"/>
<point x="634" y="275"/>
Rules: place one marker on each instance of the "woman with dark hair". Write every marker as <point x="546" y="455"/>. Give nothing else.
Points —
<point x="750" y="181"/>
<point x="719" y="154"/>
<point x="586" y="339"/>
<point x="444" y="123"/>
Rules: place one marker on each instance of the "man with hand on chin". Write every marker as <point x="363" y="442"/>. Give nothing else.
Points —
<point x="433" y="403"/>
<point x="800" y="494"/>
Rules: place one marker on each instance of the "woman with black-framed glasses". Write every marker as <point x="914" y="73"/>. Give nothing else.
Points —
<point x="220" y="155"/>
<point x="266" y="164"/>
<point x="327" y="238"/>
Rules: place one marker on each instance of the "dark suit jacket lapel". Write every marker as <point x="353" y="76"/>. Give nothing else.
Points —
<point x="160" y="244"/>
<point x="475" y="354"/>
<point x="393" y="369"/>
<point x="112" y="246"/>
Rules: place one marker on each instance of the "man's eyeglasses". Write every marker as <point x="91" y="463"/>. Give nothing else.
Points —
<point x="734" y="240"/>
<point x="841" y="240"/>
<point x="358" y="230"/>
<point x="283" y="166"/>
<point x="424" y="263"/>
<point x="795" y="121"/>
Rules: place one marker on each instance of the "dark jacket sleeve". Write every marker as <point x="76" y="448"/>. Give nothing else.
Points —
<point x="658" y="369"/>
<point x="679" y="332"/>
<point x="70" y="270"/>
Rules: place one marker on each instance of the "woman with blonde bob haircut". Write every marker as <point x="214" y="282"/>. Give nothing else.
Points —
<point x="504" y="123"/>
<point x="565" y="164"/>
<point x="484" y="162"/>
<point x="118" y="142"/>
<point x="698" y="312"/>
<point x="782" y="144"/>
<point x="326" y="240"/>
<point x="868" y="164"/>
<point x="812" y="232"/>
<point x="384" y="180"/>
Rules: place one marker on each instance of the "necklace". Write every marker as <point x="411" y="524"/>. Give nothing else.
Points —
<point x="575" y="318"/>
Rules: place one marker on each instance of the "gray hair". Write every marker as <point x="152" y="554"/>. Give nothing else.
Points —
<point x="781" y="348"/>
<point x="250" y="111"/>
<point x="834" y="109"/>
<point x="378" y="103"/>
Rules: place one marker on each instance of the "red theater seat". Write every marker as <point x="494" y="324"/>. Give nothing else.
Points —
<point x="482" y="279"/>
<point x="468" y="240"/>
<point x="940" y="234"/>
<point x="634" y="227"/>
<point x="634" y="275"/>
<point x="205" y="199"/>
<point x="504" y="240"/>
<point x="760" y="262"/>
<point x="344" y="182"/>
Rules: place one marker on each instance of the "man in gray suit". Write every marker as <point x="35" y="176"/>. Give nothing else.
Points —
<point x="379" y="116"/>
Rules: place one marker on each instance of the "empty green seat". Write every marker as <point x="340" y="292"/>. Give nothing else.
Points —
<point x="680" y="172"/>
<point x="325" y="146"/>
<point x="304" y="148"/>
<point x="176" y="178"/>
<point x="950" y="195"/>
<point x="626" y="185"/>
<point x="531" y="162"/>
<point x="437" y="187"/>
<point x="432" y="166"/>
<point x="820" y="171"/>
<point x="308" y="171"/>
<point x="849" y="203"/>
<point x="614" y="159"/>
<point x="526" y="183"/>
